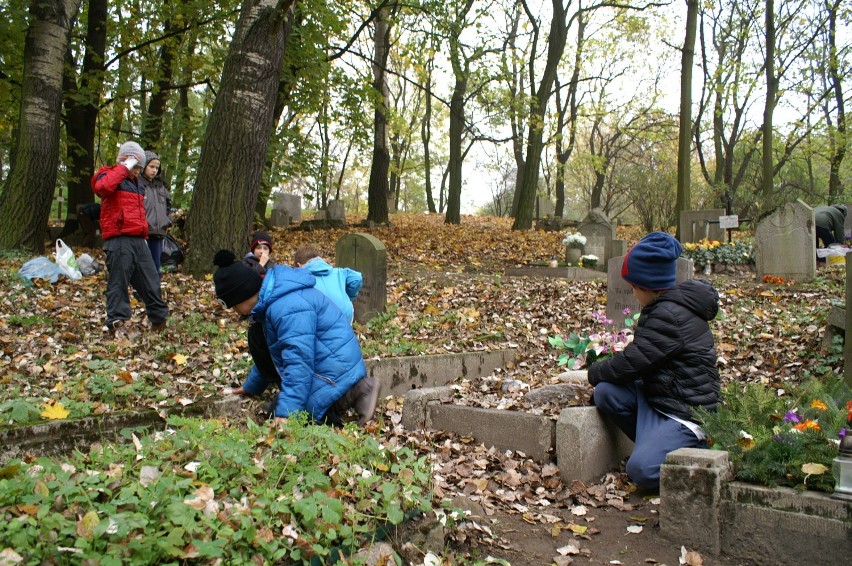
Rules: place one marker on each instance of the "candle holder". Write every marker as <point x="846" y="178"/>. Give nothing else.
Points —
<point x="842" y="469"/>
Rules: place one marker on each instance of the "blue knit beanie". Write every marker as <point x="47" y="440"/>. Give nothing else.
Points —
<point x="652" y="263"/>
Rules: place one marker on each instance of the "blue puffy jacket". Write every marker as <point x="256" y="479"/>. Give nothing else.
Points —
<point x="312" y="344"/>
<point x="340" y="284"/>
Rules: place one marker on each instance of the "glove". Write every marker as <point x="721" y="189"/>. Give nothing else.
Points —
<point x="130" y="163"/>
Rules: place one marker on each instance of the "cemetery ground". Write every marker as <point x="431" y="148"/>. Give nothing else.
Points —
<point x="447" y="292"/>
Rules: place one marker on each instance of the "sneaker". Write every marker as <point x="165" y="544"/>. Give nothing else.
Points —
<point x="366" y="394"/>
<point x="117" y="328"/>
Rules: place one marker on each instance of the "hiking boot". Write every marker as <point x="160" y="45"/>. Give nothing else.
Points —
<point x="365" y="398"/>
<point x="159" y="327"/>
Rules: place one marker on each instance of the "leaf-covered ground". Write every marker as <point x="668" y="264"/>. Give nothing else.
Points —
<point x="447" y="292"/>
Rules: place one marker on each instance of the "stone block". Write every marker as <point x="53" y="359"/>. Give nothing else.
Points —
<point x="505" y="430"/>
<point x="784" y="243"/>
<point x="415" y="407"/>
<point x="588" y="445"/>
<point x="691" y="482"/>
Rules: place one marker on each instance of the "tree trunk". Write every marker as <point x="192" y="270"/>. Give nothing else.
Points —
<point x="838" y="147"/>
<point x="82" y="100"/>
<point x="456" y="161"/>
<point x="234" y="149"/>
<point x="378" y="190"/>
<point x="771" y="92"/>
<point x="152" y="121"/>
<point x="684" y="145"/>
<point x="26" y="200"/>
<point x="426" y="136"/>
<point x="535" y="126"/>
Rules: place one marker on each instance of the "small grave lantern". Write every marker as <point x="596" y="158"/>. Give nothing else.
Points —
<point x="842" y="469"/>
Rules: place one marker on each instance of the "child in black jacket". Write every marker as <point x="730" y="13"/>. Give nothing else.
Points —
<point x="651" y="388"/>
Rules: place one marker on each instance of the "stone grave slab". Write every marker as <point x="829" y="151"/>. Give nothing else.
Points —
<point x="291" y="204"/>
<point x="697" y="225"/>
<point x="365" y="253"/>
<point x="619" y="293"/>
<point x="784" y="243"/>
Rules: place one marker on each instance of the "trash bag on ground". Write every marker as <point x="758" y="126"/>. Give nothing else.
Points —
<point x="41" y="268"/>
<point x="66" y="261"/>
<point x="172" y="255"/>
<point x="89" y="265"/>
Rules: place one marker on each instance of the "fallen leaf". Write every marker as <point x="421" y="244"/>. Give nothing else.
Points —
<point x="179" y="359"/>
<point x="812" y="468"/>
<point x="86" y="525"/>
<point x="635" y="529"/>
<point x="54" y="410"/>
<point x="690" y="557"/>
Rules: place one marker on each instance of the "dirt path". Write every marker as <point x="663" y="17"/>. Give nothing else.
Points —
<point x="606" y="541"/>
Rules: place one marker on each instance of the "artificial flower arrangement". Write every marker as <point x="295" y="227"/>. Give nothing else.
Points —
<point x="583" y="349"/>
<point x="788" y="438"/>
<point x="588" y="260"/>
<point x="574" y="240"/>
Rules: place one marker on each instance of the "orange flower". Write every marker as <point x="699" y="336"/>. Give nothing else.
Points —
<point x="807" y="425"/>
<point x="817" y="404"/>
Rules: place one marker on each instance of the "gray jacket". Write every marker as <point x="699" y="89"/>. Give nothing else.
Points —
<point x="157" y="203"/>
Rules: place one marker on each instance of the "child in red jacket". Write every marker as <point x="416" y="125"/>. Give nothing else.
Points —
<point x="124" y="228"/>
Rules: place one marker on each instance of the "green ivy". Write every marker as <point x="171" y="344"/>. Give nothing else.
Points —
<point x="205" y="490"/>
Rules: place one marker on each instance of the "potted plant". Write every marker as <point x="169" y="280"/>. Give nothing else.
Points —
<point x="573" y="242"/>
<point x="588" y="261"/>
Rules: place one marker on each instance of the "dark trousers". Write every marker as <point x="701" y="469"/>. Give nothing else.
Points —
<point x="90" y="230"/>
<point x="262" y="358"/>
<point x="155" y="244"/>
<point x="653" y="433"/>
<point x="824" y="235"/>
<point x="129" y="262"/>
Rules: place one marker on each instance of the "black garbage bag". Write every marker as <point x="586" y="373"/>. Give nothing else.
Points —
<point x="172" y="255"/>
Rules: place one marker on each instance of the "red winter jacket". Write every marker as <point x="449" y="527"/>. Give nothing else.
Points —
<point x="122" y="203"/>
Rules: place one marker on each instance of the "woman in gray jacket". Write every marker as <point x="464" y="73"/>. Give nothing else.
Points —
<point x="157" y="205"/>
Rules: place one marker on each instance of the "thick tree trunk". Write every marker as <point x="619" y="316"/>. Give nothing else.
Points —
<point x="234" y="149"/>
<point x="378" y="190"/>
<point x="684" y="145"/>
<point x="26" y="200"/>
<point x="81" y="99"/>
<point x="426" y="136"/>
<point x="535" y="127"/>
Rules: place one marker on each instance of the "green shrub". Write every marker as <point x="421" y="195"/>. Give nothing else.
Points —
<point x="788" y="439"/>
<point x="715" y="252"/>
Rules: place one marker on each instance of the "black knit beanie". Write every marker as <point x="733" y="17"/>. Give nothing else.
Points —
<point x="234" y="280"/>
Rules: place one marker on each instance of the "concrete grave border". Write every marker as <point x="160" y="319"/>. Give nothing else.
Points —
<point x="396" y="376"/>
<point x="700" y="506"/>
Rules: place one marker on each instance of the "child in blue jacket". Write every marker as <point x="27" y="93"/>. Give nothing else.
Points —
<point x="299" y="341"/>
<point x="340" y="284"/>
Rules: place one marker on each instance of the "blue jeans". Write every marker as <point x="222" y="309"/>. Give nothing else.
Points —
<point x="653" y="433"/>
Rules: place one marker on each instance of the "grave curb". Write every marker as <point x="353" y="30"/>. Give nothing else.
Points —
<point x="700" y="506"/>
<point x="394" y="374"/>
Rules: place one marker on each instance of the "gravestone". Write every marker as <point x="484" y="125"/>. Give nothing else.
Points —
<point x="336" y="211"/>
<point x="619" y="293"/>
<point x="697" y="225"/>
<point x="599" y="233"/>
<point x="784" y="243"/>
<point x="616" y="248"/>
<point x="365" y="253"/>
<point x="291" y="204"/>
<point x="544" y="207"/>
<point x="847" y="344"/>
<point x="279" y="218"/>
<point x="847" y="224"/>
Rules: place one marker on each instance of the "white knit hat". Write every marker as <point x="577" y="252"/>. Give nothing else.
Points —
<point x="133" y="149"/>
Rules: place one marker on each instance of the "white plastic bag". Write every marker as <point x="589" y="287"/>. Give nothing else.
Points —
<point x="66" y="261"/>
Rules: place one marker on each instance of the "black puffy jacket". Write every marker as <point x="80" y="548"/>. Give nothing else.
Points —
<point x="672" y="352"/>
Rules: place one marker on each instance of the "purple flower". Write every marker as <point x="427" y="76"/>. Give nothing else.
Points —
<point x="791" y="416"/>
<point x="626" y="311"/>
<point x="842" y="433"/>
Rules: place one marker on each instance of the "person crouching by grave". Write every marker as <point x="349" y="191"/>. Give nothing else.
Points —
<point x="124" y="228"/>
<point x="340" y="284"/>
<point x="259" y="254"/>
<point x="89" y="217"/>
<point x="157" y="205"/>
<point x="299" y="341"/>
<point x="652" y="387"/>
<point x="830" y="222"/>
